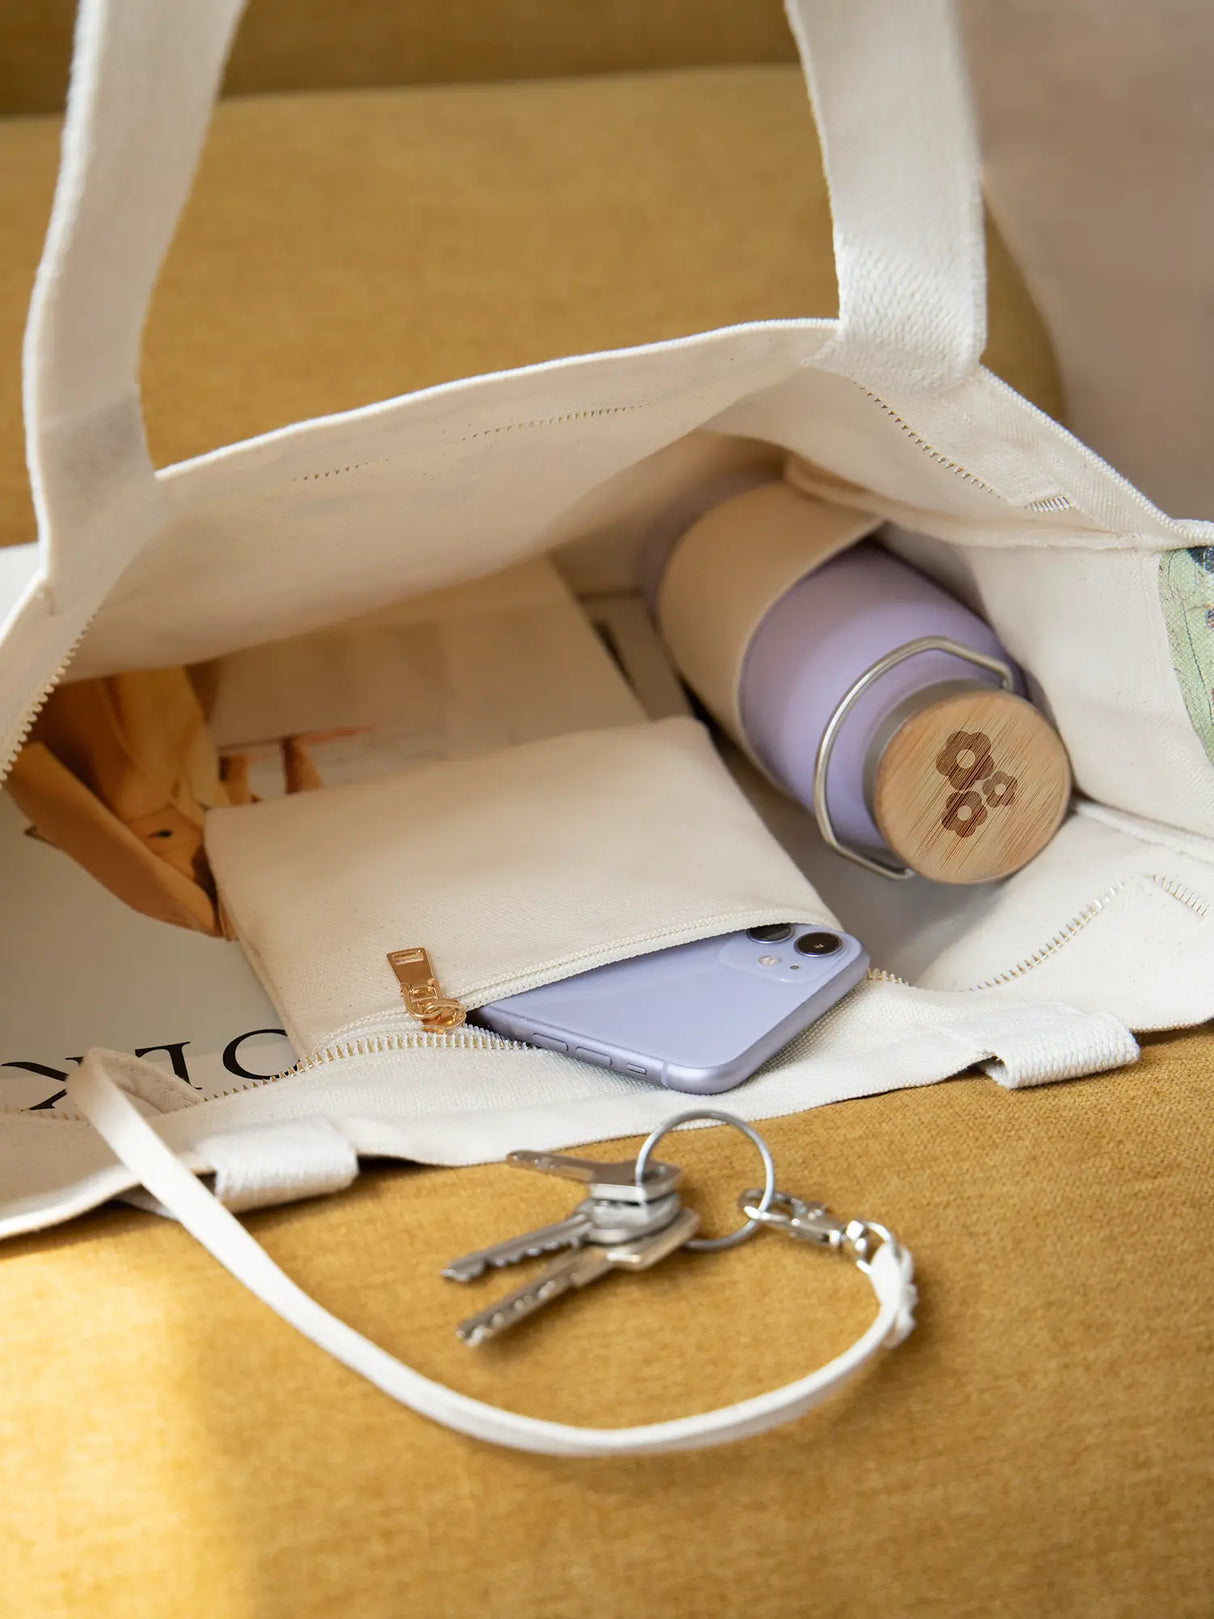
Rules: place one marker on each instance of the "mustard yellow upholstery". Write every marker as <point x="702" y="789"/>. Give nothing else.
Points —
<point x="355" y="44"/>
<point x="1041" y="1446"/>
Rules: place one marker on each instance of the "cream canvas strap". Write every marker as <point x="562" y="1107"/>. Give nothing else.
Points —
<point x="144" y="77"/>
<point x="115" y="1117"/>
<point x="891" y="100"/>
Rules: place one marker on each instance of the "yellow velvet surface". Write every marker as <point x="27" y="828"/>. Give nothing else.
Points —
<point x="1043" y="1443"/>
<point x="346" y="247"/>
<point x="355" y="44"/>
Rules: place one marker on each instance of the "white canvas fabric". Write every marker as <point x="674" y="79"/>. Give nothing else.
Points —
<point x="892" y="417"/>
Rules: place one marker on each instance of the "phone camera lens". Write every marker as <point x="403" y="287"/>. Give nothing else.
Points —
<point x="771" y="933"/>
<point x="818" y="944"/>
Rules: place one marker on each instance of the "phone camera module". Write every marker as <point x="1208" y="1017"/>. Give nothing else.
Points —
<point x="771" y="933"/>
<point x="818" y="944"/>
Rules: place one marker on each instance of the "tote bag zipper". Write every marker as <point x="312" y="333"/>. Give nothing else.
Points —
<point x="19" y="738"/>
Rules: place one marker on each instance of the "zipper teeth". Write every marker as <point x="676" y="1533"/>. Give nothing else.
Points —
<point x="375" y="1045"/>
<point x="1169" y="885"/>
<point x="31" y="718"/>
<point x="879" y="975"/>
<point x="930" y="449"/>
<point x="368" y="1046"/>
<point x="1186" y="896"/>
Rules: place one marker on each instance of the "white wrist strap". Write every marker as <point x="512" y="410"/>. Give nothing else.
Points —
<point x="137" y="1145"/>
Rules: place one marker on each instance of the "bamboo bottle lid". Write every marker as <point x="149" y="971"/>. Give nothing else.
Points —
<point x="972" y="786"/>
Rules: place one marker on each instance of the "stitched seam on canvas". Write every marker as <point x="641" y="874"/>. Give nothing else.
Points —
<point x="1170" y="886"/>
<point x="485" y="432"/>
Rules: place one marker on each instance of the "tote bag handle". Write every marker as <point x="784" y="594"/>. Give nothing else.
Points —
<point x="891" y="100"/>
<point x="889" y="93"/>
<point x="145" y="74"/>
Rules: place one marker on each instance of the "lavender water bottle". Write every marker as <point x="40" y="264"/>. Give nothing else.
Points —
<point x="858" y="684"/>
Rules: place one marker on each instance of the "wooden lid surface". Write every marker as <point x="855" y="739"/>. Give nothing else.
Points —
<point x="971" y="787"/>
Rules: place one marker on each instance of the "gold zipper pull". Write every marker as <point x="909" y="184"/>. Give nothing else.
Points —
<point x="420" y="992"/>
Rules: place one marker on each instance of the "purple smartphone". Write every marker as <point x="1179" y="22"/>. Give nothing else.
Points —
<point x="699" y="1017"/>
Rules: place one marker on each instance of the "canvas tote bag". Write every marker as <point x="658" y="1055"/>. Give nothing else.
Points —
<point x="595" y="846"/>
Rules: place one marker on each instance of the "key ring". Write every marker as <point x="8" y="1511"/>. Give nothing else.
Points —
<point x="706" y="1245"/>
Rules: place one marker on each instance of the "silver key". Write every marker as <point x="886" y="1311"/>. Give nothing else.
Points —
<point x="595" y="1220"/>
<point x="573" y="1270"/>
<point x="614" y="1181"/>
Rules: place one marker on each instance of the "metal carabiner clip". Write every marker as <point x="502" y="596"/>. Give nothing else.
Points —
<point x="857" y="1240"/>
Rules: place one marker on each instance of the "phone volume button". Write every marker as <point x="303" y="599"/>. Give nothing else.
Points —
<point x="546" y="1042"/>
<point x="600" y="1059"/>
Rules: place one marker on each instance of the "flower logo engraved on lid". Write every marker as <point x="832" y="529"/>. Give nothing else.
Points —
<point x="1000" y="789"/>
<point x="966" y="760"/>
<point x="963" y="814"/>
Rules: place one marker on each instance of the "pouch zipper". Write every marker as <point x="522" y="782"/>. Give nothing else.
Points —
<point x="485" y="1040"/>
<point x="376" y="1045"/>
<point x="469" y="1039"/>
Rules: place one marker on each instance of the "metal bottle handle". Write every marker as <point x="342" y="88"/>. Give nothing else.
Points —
<point x="826" y="747"/>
